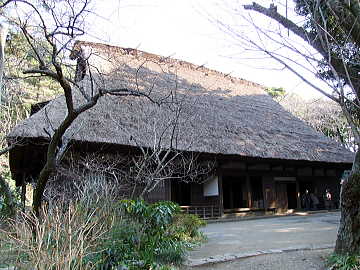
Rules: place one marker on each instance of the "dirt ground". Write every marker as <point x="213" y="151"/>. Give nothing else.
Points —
<point x="280" y="233"/>
<point x="295" y="260"/>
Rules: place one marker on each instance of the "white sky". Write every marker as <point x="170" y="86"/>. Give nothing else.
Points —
<point x="181" y="29"/>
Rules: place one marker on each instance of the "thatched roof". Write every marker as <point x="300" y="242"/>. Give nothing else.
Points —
<point x="218" y="114"/>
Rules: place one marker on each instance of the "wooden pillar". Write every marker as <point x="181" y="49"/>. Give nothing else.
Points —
<point x="264" y="193"/>
<point x="298" y="201"/>
<point x="269" y="192"/>
<point x="248" y="185"/>
<point x="221" y="194"/>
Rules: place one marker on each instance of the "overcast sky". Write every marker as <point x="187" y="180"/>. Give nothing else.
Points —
<point x="182" y="29"/>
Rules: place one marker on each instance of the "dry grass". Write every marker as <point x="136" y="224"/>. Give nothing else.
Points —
<point x="64" y="236"/>
<point x="61" y="241"/>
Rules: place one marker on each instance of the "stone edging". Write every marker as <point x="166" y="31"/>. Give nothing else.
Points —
<point x="230" y="257"/>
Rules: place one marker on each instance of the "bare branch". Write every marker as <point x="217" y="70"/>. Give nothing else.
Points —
<point x="7" y="149"/>
<point x="312" y="39"/>
<point x="46" y="72"/>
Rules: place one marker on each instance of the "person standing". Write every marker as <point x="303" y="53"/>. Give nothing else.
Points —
<point x="314" y="201"/>
<point x="328" y="199"/>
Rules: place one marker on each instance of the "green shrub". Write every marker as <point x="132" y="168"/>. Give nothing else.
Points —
<point x="152" y="216"/>
<point x="9" y="199"/>
<point x="148" y="237"/>
<point x="120" y="247"/>
<point x="344" y="262"/>
<point x="186" y="227"/>
<point x="104" y="235"/>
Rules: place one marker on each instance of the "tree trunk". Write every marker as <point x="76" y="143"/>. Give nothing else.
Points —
<point x="40" y="187"/>
<point x="348" y="238"/>
<point x="3" y="33"/>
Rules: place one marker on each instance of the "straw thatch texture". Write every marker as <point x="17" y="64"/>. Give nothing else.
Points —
<point x="201" y="110"/>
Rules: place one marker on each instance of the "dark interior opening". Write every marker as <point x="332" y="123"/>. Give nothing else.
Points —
<point x="257" y="194"/>
<point x="291" y="195"/>
<point x="181" y="193"/>
<point x="306" y="185"/>
<point x="233" y="192"/>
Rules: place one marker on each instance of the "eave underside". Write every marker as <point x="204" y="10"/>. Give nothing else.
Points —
<point x="27" y="159"/>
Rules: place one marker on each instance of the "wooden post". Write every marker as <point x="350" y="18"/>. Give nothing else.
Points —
<point x="221" y="194"/>
<point x="263" y="192"/>
<point x="250" y="204"/>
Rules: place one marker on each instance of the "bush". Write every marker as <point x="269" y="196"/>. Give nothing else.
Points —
<point x="99" y="233"/>
<point x="66" y="233"/>
<point x="344" y="262"/>
<point x="9" y="199"/>
<point x="148" y="237"/>
<point x="61" y="239"/>
<point x="186" y="227"/>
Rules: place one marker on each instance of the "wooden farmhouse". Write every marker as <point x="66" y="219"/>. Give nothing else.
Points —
<point x="264" y="158"/>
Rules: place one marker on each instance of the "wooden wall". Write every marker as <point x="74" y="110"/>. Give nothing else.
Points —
<point x="198" y="198"/>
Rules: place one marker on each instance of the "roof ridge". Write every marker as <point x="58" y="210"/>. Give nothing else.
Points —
<point x="164" y="59"/>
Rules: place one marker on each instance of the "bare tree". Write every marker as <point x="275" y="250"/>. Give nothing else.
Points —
<point x="3" y="34"/>
<point x="323" y="115"/>
<point x="155" y="166"/>
<point x="323" y="44"/>
<point x="50" y="29"/>
<point x="162" y="161"/>
<point x="144" y="170"/>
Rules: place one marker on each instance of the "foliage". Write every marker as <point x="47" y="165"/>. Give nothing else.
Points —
<point x="186" y="226"/>
<point x="23" y="89"/>
<point x="9" y="200"/>
<point x="276" y="92"/>
<point x="319" y="15"/>
<point x="101" y="233"/>
<point x="154" y="217"/>
<point x="344" y="262"/>
<point x="10" y="114"/>
<point x="19" y="93"/>
<point x="141" y="235"/>
<point x="149" y="236"/>
<point x="343" y="43"/>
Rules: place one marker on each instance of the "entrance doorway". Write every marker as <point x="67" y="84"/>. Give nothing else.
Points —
<point x="257" y="194"/>
<point x="291" y="195"/>
<point x="181" y="193"/>
<point x="233" y="192"/>
<point x="286" y="197"/>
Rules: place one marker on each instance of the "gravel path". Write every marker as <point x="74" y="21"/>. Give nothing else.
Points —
<point x="295" y="260"/>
